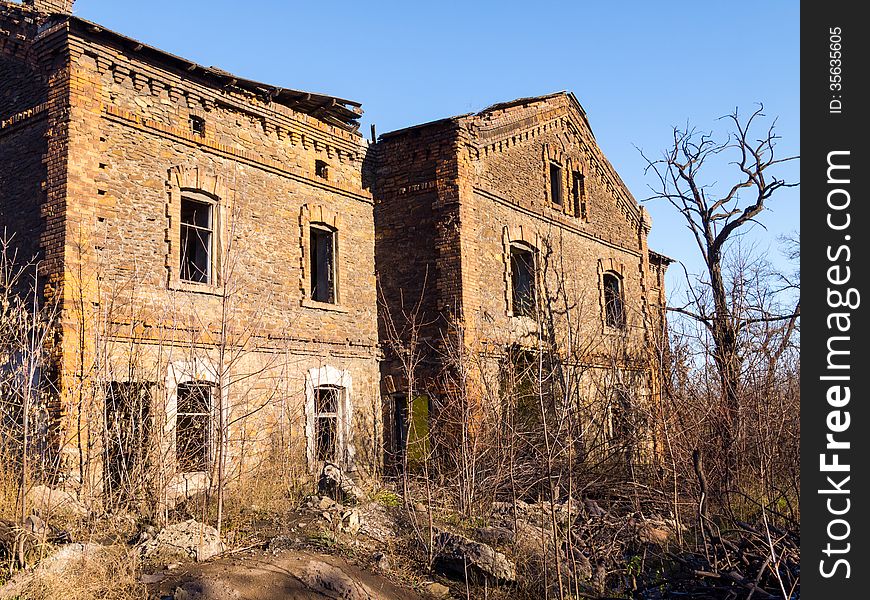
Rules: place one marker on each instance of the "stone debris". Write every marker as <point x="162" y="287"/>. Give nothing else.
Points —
<point x="458" y="555"/>
<point x="65" y="558"/>
<point x="188" y="539"/>
<point x="438" y="591"/>
<point x="49" y="502"/>
<point x="339" y="486"/>
<point x="652" y="531"/>
<point x="381" y="561"/>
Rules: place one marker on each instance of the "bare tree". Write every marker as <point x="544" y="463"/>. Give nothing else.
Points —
<point x="715" y="220"/>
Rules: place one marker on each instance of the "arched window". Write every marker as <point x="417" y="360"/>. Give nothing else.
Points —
<point x="327" y="402"/>
<point x="523" y="296"/>
<point x="614" y="301"/>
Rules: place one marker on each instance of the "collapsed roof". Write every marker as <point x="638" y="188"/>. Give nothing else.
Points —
<point x="332" y="110"/>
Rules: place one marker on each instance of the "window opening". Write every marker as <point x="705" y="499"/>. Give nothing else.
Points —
<point x="196" y="240"/>
<point x="192" y="428"/>
<point x="322" y="249"/>
<point x="523" y="281"/>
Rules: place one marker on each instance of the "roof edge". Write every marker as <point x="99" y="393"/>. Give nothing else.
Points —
<point x="332" y="110"/>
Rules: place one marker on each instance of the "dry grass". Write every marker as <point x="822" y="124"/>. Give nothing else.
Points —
<point x="9" y="482"/>
<point x="104" y="573"/>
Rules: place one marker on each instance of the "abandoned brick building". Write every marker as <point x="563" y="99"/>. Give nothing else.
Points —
<point x="210" y="244"/>
<point x="503" y="229"/>
<point x="214" y="245"/>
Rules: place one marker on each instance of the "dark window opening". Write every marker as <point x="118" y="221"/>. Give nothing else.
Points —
<point x="326" y="423"/>
<point x="127" y="414"/>
<point x="578" y="193"/>
<point x="197" y="125"/>
<point x="556" y="184"/>
<point x="321" y="169"/>
<point x="322" y="265"/>
<point x="614" y="305"/>
<point x="196" y="240"/>
<point x="621" y="426"/>
<point x="523" y="281"/>
<point x="526" y="392"/>
<point x="410" y="431"/>
<point x="193" y="433"/>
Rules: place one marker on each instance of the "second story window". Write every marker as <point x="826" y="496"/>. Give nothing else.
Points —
<point x="578" y="195"/>
<point x="614" y="301"/>
<point x="197" y="233"/>
<point x="321" y="169"/>
<point x="522" y="281"/>
<point x="322" y="249"/>
<point x="556" y="184"/>
<point x="197" y="125"/>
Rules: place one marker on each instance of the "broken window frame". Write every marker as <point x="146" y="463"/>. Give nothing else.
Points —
<point x="556" y="196"/>
<point x="614" y="300"/>
<point x="320" y="416"/>
<point x="523" y="301"/>
<point x="323" y="260"/>
<point x="194" y="269"/>
<point x="200" y="459"/>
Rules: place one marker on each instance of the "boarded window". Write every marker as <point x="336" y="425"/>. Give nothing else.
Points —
<point x="322" y="248"/>
<point x="193" y="431"/>
<point x="578" y="194"/>
<point x="127" y="413"/>
<point x="326" y="404"/>
<point x="523" y="281"/>
<point x="196" y="240"/>
<point x="614" y="304"/>
<point x="556" y="184"/>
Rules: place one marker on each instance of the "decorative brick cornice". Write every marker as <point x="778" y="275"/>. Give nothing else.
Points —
<point x="115" y="113"/>
<point x="24" y="116"/>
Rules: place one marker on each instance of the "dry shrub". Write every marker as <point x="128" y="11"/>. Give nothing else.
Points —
<point x="8" y="491"/>
<point x="102" y="572"/>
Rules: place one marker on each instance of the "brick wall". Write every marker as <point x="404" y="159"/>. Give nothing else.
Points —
<point x="51" y="6"/>
<point x="454" y="195"/>
<point x="413" y="225"/>
<point x="96" y="147"/>
<point x="136" y="153"/>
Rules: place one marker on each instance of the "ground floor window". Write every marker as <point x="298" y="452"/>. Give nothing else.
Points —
<point x="326" y="422"/>
<point x="410" y="434"/>
<point x="127" y="436"/>
<point x="193" y="426"/>
<point x="329" y="417"/>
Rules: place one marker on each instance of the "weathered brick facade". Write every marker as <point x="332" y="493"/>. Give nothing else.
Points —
<point x="455" y="196"/>
<point x="108" y="148"/>
<point x="102" y="141"/>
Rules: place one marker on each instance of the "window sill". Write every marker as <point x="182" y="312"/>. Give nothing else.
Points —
<point x="309" y="303"/>
<point x="615" y="331"/>
<point x="197" y="288"/>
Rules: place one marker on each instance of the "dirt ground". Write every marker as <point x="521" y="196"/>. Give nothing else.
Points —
<point x="280" y="575"/>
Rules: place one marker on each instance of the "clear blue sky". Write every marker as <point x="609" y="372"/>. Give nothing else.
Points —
<point x="638" y="68"/>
